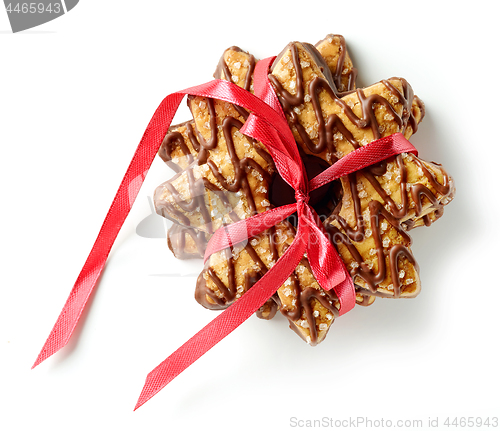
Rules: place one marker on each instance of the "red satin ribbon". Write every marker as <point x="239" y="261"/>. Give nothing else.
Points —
<point x="267" y="124"/>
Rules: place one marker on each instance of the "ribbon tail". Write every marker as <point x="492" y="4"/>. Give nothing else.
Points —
<point x="118" y="212"/>
<point x="347" y="292"/>
<point x="129" y="189"/>
<point x="224" y="323"/>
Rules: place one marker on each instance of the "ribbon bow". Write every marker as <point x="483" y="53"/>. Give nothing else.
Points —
<point x="268" y="125"/>
<point x="326" y="265"/>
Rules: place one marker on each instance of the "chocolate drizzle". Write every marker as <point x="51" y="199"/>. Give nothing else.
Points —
<point x="175" y="139"/>
<point x="225" y="294"/>
<point x="177" y="241"/>
<point x="338" y="73"/>
<point x="222" y="68"/>
<point x="222" y="72"/>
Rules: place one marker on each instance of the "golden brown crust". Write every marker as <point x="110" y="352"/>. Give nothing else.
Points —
<point x="334" y="50"/>
<point x="177" y="149"/>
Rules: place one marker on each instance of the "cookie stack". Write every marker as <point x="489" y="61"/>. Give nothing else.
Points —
<point x="223" y="176"/>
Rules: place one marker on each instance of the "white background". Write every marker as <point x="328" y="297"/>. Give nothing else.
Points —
<point x="75" y="97"/>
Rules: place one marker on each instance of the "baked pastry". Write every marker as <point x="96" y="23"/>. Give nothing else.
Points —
<point x="224" y="176"/>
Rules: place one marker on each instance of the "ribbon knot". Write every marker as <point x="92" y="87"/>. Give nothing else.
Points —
<point x="301" y="197"/>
